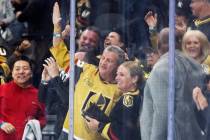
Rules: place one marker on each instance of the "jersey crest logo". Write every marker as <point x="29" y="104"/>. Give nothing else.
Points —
<point x="128" y="101"/>
<point x="3" y="52"/>
<point x="98" y="99"/>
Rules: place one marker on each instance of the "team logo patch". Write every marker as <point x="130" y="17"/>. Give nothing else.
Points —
<point x="205" y="68"/>
<point x="3" y="52"/>
<point x="128" y="101"/>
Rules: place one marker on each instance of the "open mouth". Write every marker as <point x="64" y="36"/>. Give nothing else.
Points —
<point x="193" y="50"/>
<point x="107" y="42"/>
<point x="86" y="48"/>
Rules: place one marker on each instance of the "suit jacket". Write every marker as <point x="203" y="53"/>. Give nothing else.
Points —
<point x="153" y="120"/>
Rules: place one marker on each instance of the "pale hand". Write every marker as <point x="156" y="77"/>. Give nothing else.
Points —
<point x="52" y="67"/>
<point x="92" y="123"/>
<point x="151" y="19"/>
<point x="45" y="75"/>
<point x="199" y="99"/>
<point x="56" y="14"/>
<point x="8" y="128"/>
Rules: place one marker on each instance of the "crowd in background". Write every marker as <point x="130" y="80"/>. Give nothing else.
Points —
<point x="121" y="69"/>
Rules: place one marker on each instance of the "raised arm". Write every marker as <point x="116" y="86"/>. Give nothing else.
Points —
<point x="151" y="20"/>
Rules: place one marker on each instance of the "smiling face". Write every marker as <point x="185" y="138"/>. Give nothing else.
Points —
<point x="113" y="38"/>
<point x="88" y="40"/>
<point x="108" y="65"/>
<point x="22" y="73"/>
<point x="193" y="47"/>
<point x="124" y="80"/>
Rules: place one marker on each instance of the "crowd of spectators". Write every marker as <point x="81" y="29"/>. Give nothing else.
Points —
<point x="121" y="69"/>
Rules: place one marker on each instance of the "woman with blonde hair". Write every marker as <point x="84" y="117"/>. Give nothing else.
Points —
<point x="195" y="44"/>
<point x="123" y="121"/>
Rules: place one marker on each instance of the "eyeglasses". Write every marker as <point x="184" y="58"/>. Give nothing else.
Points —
<point x="149" y="55"/>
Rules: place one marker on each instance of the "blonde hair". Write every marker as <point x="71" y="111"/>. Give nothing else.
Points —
<point x="204" y="43"/>
<point x="134" y="69"/>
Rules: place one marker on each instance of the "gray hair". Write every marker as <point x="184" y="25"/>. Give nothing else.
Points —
<point x="117" y="50"/>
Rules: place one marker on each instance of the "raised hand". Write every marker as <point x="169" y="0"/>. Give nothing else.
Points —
<point x="181" y="25"/>
<point x="56" y="14"/>
<point x="151" y="19"/>
<point x="51" y="67"/>
<point x="45" y="76"/>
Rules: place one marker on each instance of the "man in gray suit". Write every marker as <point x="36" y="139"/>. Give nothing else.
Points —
<point x="153" y="119"/>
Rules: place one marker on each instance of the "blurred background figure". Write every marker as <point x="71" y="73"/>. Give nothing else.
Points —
<point x="7" y="16"/>
<point x="37" y="14"/>
<point x="151" y="57"/>
<point x="53" y="92"/>
<point x="201" y="12"/>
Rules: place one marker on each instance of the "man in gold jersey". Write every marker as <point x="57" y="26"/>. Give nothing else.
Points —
<point x="95" y="86"/>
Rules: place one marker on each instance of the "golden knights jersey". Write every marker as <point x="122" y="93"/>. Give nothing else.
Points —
<point x="61" y="55"/>
<point x="91" y="89"/>
<point x="206" y="65"/>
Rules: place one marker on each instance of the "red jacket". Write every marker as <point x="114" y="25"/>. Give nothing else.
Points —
<point x="17" y="106"/>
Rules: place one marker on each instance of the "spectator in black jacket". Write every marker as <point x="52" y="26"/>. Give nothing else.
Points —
<point x="38" y="16"/>
<point x="53" y="91"/>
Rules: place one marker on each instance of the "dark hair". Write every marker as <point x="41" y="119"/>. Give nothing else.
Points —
<point x="207" y="78"/>
<point x="94" y="29"/>
<point x="122" y="37"/>
<point x="149" y="50"/>
<point x="97" y="31"/>
<point x="23" y="58"/>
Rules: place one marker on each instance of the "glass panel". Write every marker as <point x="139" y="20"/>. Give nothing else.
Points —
<point x="122" y="53"/>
